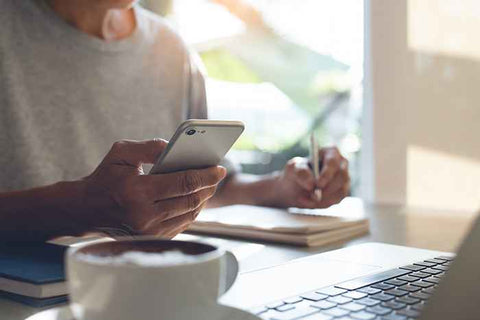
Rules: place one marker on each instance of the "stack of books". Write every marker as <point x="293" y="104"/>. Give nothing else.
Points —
<point x="33" y="273"/>
<point x="302" y="227"/>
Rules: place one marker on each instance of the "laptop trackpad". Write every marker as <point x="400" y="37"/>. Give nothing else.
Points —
<point x="262" y="286"/>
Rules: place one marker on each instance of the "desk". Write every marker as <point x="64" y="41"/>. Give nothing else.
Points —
<point x="429" y="229"/>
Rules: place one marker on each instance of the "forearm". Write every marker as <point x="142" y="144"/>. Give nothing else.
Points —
<point x="247" y="189"/>
<point x="42" y="213"/>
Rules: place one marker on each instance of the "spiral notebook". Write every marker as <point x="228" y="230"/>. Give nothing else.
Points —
<point x="303" y="227"/>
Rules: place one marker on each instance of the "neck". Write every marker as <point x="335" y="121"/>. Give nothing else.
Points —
<point x="95" y="19"/>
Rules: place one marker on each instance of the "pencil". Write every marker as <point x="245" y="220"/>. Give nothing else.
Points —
<point x="315" y="164"/>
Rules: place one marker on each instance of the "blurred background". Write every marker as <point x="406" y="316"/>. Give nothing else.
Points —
<point x="284" y="69"/>
<point x="392" y="83"/>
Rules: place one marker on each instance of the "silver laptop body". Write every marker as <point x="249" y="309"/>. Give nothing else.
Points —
<point x="272" y="292"/>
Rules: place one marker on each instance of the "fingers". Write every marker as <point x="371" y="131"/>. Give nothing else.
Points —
<point x="334" y="180"/>
<point x="303" y="176"/>
<point x="331" y="160"/>
<point x="337" y="196"/>
<point x="175" y="207"/>
<point x="339" y="180"/>
<point x="177" y="184"/>
<point x="307" y="201"/>
<point x="135" y="153"/>
<point x="174" y="226"/>
<point x="339" y="187"/>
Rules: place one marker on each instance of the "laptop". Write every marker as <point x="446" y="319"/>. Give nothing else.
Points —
<point x="368" y="281"/>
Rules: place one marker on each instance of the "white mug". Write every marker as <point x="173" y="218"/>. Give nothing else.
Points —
<point x="188" y="290"/>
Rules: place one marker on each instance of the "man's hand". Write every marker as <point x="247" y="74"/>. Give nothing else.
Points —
<point x="121" y="195"/>
<point x="296" y="184"/>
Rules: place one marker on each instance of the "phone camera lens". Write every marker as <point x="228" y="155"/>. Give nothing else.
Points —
<point x="191" y="132"/>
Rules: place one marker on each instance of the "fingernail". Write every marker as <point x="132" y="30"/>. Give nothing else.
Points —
<point x="318" y="194"/>
<point x="224" y="171"/>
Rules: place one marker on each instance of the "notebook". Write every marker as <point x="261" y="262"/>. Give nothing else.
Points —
<point x="32" y="272"/>
<point x="293" y="226"/>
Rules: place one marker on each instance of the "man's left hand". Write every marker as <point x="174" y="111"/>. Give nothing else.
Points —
<point x="296" y="183"/>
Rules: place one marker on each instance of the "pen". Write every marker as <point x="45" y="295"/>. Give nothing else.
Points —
<point x="315" y="164"/>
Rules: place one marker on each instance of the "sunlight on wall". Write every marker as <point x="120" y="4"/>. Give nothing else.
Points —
<point x="443" y="181"/>
<point x="447" y="27"/>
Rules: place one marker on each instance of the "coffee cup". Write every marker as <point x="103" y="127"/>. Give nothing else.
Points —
<point x="147" y="279"/>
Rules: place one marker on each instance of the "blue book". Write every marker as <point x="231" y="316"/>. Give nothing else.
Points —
<point x="32" y="270"/>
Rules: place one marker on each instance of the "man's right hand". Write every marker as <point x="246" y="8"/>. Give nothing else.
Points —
<point x="119" y="194"/>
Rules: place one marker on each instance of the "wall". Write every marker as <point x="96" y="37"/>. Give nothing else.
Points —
<point x="422" y="103"/>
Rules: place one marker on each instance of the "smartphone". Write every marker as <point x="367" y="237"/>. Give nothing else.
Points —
<point x="198" y="144"/>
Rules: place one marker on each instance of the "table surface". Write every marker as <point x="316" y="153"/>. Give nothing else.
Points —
<point x="421" y="228"/>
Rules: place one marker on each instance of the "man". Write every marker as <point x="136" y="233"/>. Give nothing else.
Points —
<point x="76" y="75"/>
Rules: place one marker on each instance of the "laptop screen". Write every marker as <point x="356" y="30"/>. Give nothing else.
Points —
<point x="458" y="295"/>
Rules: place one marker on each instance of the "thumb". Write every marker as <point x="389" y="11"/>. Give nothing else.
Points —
<point x="135" y="153"/>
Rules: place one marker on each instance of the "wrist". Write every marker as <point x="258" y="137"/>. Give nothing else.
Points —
<point x="73" y="207"/>
<point x="262" y="190"/>
<point x="269" y="194"/>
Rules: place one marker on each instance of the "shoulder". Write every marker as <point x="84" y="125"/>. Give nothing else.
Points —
<point x="160" y="33"/>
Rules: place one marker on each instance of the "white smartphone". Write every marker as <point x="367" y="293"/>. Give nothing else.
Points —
<point x="198" y="144"/>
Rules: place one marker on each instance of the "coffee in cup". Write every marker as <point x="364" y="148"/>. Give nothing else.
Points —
<point x="147" y="279"/>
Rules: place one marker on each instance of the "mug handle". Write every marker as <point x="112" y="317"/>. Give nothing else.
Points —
<point x="231" y="273"/>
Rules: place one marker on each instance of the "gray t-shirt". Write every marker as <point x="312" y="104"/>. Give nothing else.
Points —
<point x="65" y="96"/>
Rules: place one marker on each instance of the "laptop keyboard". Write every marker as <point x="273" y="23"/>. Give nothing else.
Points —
<point x="397" y="294"/>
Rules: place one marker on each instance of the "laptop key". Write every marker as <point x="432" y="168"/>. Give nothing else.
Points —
<point x="425" y="264"/>
<point x="355" y="295"/>
<point x="441" y="268"/>
<point x="393" y="305"/>
<point x="429" y="290"/>
<point x="383" y="286"/>
<point x="432" y="279"/>
<point x="370" y="290"/>
<point x="285" y="307"/>
<point x="293" y="314"/>
<point x="372" y="279"/>
<point x="368" y="302"/>
<point x="332" y="291"/>
<point x="293" y="300"/>
<point x="436" y="261"/>
<point x="423" y="284"/>
<point x="408" y="278"/>
<point x="396" y="292"/>
<point x="409" y="313"/>
<point x="337" y="312"/>
<point x="413" y="267"/>
<point x="409" y="288"/>
<point x="418" y="306"/>
<point x="314" y="296"/>
<point x="440" y="275"/>
<point x="378" y="310"/>
<point x="363" y="315"/>
<point x="432" y="271"/>
<point x="420" y="295"/>
<point x="445" y="258"/>
<point x="320" y="316"/>
<point x="407" y="300"/>
<point x="396" y="282"/>
<point x="394" y="317"/>
<point x="352" y="306"/>
<point x="382" y="297"/>
<point x="340" y="300"/>
<point x="324" y="305"/>
<point x="420" y="274"/>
